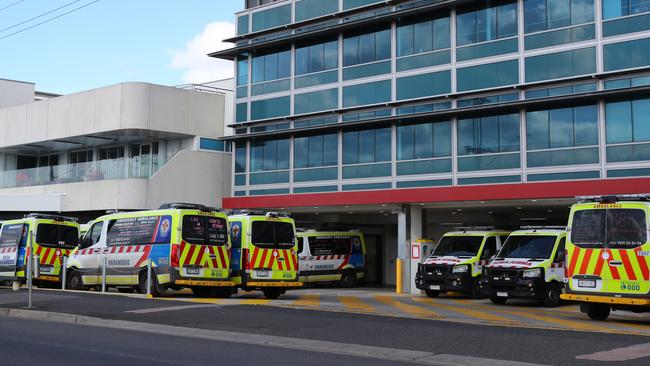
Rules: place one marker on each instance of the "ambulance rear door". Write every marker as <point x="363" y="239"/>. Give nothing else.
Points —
<point x="13" y="239"/>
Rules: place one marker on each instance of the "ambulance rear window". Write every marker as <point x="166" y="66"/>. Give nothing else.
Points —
<point x="616" y="228"/>
<point x="205" y="230"/>
<point x="59" y="236"/>
<point x="272" y="234"/>
<point x="10" y="235"/>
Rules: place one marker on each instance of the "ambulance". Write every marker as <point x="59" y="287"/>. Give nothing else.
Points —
<point x="530" y="265"/>
<point x="608" y="255"/>
<point x="52" y="237"/>
<point x="187" y="244"/>
<point x="332" y="256"/>
<point x="264" y="252"/>
<point x="456" y="263"/>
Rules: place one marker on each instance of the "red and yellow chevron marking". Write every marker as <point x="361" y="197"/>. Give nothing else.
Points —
<point x="206" y="256"/>
<point x="635" y="266"/>
<point x="51" y="257"/>
<point x="274" y="259"/>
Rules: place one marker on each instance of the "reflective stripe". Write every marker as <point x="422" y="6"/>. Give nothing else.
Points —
<point x="628" y="266"/>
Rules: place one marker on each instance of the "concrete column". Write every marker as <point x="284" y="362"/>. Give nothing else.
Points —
<point x="415" y="231"/>
<point x="402" y="250"/>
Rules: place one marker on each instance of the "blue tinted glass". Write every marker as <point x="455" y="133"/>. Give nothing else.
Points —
<point x="422" y="36"/>
<point x="561" y="64"/>
<point x="349" y="4"/>
<point x="537" y="134"/>
<point x="272" y="66"/>
<point x="641" y="119"/>
<point x="490" y="134"/>
<point x="488" y="76"/>
<point x="627" y="55"/>
<point x="240" y="157"/>
<point x="423" y="85"/>
<point x="269" y="155"/>
<point x="270" y="108"/>
<point x="272" y="18"/>
<point x="315" y="151"/>
<point x="241" y="112"/>
<point x="366" y="146"/>
<point x="370" y="93"/>
<point x="486" y="23"/>
<point x="316" y="101"/>
<point x="242" y="25"/>
<point x="315" y="58"/>
<point x="242" y="72"/>
<point x="307" y="9"/>
<point x="367" y="47"/>
<point x="618" y="121"/>
<point x="585" y="124"/>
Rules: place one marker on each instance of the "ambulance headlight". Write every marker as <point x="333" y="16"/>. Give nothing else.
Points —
<point x="533" y="273"/>
<point x="461" y="269"/>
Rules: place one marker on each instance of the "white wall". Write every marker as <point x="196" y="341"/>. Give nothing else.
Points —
<point x="15" y="93"/>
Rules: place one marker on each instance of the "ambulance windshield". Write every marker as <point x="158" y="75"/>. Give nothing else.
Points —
<point x="272" y="234"/>
<point x="615" y="228"/>
<point x="10" y="235"/>
<point x="59" y="236"/>
<point x="530" y="247"/>
<point x="458" y="246"/>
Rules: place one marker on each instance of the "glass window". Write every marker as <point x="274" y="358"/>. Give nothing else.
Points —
<point x="270" y="108"/>
<point x="421" y="141"/>
<point x="316" y="151"/>
<point x="619" y="8"/>
<point x="242" y="25"/>
<point x="317" y="57"/>
<point x="627" y="120"/>
<point x="486" y="23"/>
<point x="488" y="76"/>
<point x="205" y="230"/>
<point x="366" y="47"/>
<point x="423" y="85"/>
<point x="350" y="4"/>
<point x="467" y="246"/>
<point x="269" y="155"/>
<point x="561" y="64"/>
<point x="529" y="247"/>
<point x="417" y="36"/>
<point x="627" y="55"/>
<point x="489" y="248"/>
<point x="307" y="9"/>
<point x="541" y="15"/>
<point x="370" y="93"/>
<point x="271" y="66"/>
<point x="242" y="71"/>
<point x="367" y="146"/>
<point x="272" y="234"/>
<point x="563" y="127"/>
<point x="272" y="18"/>
<point x="316" y="101"/>
<point x="59" y="236"/>
<point x="241" y="112"/>
<point x="609" y="228"/>
<point x="484" y="135"/>
<point x="240" y="157"/>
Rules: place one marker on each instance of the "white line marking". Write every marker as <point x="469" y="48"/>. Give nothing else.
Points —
<point x="171" y="308"/>
<point x="619" y="354"/>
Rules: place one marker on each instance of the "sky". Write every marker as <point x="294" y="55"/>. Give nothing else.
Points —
<point x="112" y="41"/>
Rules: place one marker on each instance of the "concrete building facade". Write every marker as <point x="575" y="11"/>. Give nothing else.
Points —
<point x="406" y="117"/>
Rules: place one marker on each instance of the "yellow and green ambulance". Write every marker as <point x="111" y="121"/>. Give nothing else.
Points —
<point x="264" y="252"/>
<point x="187" y="244"/>
<point x="608" y="255"/>
<point x="456" y="263"/>
<point x="52" y="237"/>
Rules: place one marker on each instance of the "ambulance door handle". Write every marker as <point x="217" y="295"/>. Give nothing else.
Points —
<point x="615" y="263"/>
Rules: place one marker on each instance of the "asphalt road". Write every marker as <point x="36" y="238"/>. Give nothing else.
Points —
<point x="27" y="342"/>
<point x="540" y="346"/>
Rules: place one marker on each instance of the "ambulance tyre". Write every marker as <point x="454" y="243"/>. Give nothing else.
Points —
<point x="432" y="293"/>
<point x="75" y="282"/>
<point x="272" y="293"/>
<point x="552" y="296"/>
<point x="598" y="311"/>
<point x="348" y="279"/>
<point x="156" y="289"/>
<point x="498" y="300"/>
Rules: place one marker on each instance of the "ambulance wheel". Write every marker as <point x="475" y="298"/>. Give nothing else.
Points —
<point x="156" y="289"/>
<point x="476" y="290"/>
<point x="432" y="293"/>
<point x="348" y="279"/>
<point x="552" y="296"/>
<point x="75" y="282"/>
<point x="498" y="300"/>
<point x="598" y="311"/>
<point x="272" y="293"/>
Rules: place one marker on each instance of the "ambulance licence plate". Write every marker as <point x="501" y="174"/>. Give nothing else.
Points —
<point x="262" y="273"/>
<point x="587" y="283"/>
<point x="502" y="294"/>
<point x="192" y="271"/>
<point x="434" y="287"/>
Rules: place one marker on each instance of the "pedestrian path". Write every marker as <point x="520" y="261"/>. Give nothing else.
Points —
<point x="455" y="309"/>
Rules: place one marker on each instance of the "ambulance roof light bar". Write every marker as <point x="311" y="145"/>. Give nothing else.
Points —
<point x="188" y="206"/>
<point x="541" y="227"/>
<point x="614" y="198"/>
<point x="51" y="217"/>
<point x="475" y="228"/>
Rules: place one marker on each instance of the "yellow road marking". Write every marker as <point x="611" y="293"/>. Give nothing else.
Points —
<point x="407" y="308"/>
<point x="356" y="304"/>
<point x="484" y="315"/>
<point x="252" y="301"/>
<point x="312" y="300"/>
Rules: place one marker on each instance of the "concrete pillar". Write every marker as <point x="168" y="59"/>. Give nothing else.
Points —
<point x="415" y="231"/>
<point x="402" y="250"/>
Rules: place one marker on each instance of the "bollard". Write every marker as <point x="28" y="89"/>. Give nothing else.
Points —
<point x="37" y="266"/>
<point x="149" y="277"/>
<point x="104" y="274"/>
<point x="64" y="271"/>
<point x="398" y="274"/>
<point x="29" y="276"/>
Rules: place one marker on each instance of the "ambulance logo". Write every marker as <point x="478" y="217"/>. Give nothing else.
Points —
<point x="235" y="230"/>
<point x="164" y="227"/>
